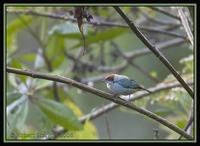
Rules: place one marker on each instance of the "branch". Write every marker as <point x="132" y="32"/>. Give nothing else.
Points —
<point x="154" y="49"/>
<point x="107" y="126"/>
<point x="100" y="94"/>
<point x="130" y="55"/>
<point x="142" y="70"/>
<point x="185" y="24"/>
<point x="156" y="20"/>
<point x="95" y="23"/>
<point x="189" y="123"/>
<point x="111" y="106"/>
<point x="97" y="67"/>
<point x="43" y="53"/>
<point x="162" y="45"/>
<point x="165" y="13"/>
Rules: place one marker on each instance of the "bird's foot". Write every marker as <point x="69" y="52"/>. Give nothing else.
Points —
<point x="115" y="96"/>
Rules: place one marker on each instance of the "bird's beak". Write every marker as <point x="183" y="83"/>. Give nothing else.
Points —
<point x="103" y="80"/>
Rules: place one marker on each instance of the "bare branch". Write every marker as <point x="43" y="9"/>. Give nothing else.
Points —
<point x="162" y="45"/>
<point x="190" y="121"/>
<point x="165" y="13"/>
<point x="98" y="67"/>
<point x="142" y="70"/>
<point x="111" y="106"/>
<point x="185" y="24"/>
<point x="156" y="20"/>
<point x="44" y="55"/>
<point x="99" y="93"/>
<point x="97" y="23"/>
<point x="154" y="49"/>
<point x="108" y="126"/>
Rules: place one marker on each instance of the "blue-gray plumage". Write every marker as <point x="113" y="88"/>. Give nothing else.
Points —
<point x="128" y="83"/>
<point x="122" y="85"/>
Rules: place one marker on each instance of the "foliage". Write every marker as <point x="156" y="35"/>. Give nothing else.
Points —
<point x="45" y="44"/>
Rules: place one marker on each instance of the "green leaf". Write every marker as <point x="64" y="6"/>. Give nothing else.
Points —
<point x="102" y="36"/>
<point x="42" y="84"/>
<point x="17" y="24"/>
<point x="13" y="28"/>
<point x="67" y="29"/>
<point x="154" y="74"/>
<point x="181" y="123"/>
<point x="58" y="61"/>
<point x="12" y="80"/>
<point x="15" y="63"/>
<point x="60" y="66"/>
<point x="55" y="46"/>
<point x="12" y="96"/>
<point x="59" y="114"/>
<point x="28" y="57"/>
<point x="17" y="119"/>
<point x="188" y="61"/>
<point x="38" y="121"/>
<point x="89" y="131"/>
<point x="18" y="64"/>
<point x="22" y="117"/>
<point x="163" y="111"/>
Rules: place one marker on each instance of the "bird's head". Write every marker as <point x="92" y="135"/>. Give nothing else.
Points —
<point x="114" y="77"/>
<point x="109" y="78"/>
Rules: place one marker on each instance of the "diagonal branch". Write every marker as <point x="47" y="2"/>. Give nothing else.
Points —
<point x="185" y="24"/>
<point x="190" y="121"/>
<point x="97" y="23"/>
<point x="165" y="12"/>
<point x="154" y="50"/>
<point x="111" y="106"/>
<point x="43" y="53"/>
<point x="142" y="70"/>
<point x="99" y="93"/>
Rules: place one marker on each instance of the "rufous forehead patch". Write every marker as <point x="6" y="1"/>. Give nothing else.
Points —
<point x="110" y="78"/>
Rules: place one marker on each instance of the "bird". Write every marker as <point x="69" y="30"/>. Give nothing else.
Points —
<point x="122" y="85"/>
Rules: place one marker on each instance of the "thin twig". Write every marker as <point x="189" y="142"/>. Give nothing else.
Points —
<point x="154" y="49"/>
<point x="165" y="12"/>
<point x="97" y="23"/>
<point x="131" y="55"/>
<point x="185" y="24"/>
<point x="162" y="45"/>
<point x="142" y="70"/>
<point x="190" y="121"/>
<point x="156" y="20"/>
<point x="97" y="67"/>
<point x="156" y="133"/>
<point x="108" y="126"/>
<point x="111" y="106"/>
<point x="99" y="93"/>
<point x="44" y="55"/>
<point x="145" y="72"/>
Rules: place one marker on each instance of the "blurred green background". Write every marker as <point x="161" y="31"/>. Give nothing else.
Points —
<point x="28" y="35"/>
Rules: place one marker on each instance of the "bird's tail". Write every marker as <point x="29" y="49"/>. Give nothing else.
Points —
<point x="145" y="89"/>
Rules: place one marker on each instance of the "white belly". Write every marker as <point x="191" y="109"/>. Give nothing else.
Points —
<point x="118" y="89"/>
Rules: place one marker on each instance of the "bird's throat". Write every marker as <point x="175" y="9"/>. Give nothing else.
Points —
<point x="108" y="85"/>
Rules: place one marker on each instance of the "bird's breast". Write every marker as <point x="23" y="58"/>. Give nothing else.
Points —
<point x="118" y="89"/>
<point x="108" y="85"/>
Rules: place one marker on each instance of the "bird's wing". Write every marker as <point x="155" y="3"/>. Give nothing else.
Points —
<point x="128" y="83"/>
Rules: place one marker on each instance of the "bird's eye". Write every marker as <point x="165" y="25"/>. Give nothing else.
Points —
<point x="109" y="78"/>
